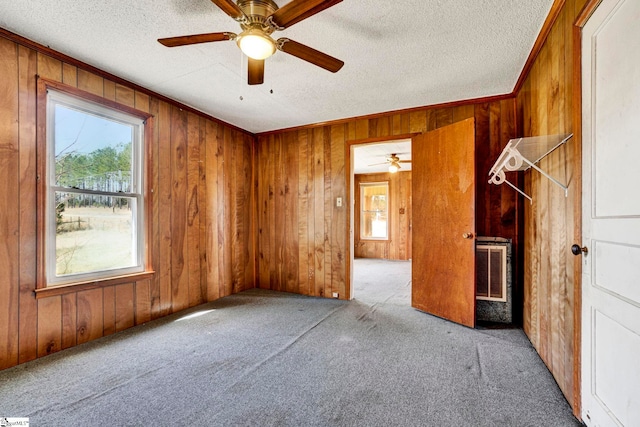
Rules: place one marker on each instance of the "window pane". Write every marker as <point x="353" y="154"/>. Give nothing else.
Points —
<point x="92" y="152"/>
<point x="375" y="225"/>
<point x="374" y="200"/>
<point x="94" y="233"/>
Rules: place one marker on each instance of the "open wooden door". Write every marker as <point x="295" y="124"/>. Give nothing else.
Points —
<point x="443" y="174"/>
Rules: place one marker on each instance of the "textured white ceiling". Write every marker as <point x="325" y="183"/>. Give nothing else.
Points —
<point x="397" y="54"/>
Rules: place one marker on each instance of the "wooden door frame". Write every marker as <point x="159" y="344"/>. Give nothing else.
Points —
<point x="349" y="197"/>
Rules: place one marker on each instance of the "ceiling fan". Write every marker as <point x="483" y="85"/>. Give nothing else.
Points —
<point x="393" y="161"/>
<point x="258" y="20"/>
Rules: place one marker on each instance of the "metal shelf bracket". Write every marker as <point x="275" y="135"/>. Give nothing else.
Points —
<point x="521" y="154"/>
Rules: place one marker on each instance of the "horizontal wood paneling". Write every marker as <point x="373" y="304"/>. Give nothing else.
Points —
<point x="551" y="286"/>
<point x="201" y="197"/>
<point x="398" y="246"/>
<point x="321" y="262"/>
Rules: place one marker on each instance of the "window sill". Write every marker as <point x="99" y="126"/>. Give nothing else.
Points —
<point x="92" y="284"/>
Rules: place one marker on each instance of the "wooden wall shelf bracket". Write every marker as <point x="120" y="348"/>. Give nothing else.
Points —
<point x="521" y="154"/>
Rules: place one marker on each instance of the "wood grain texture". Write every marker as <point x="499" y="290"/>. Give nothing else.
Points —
<point x="193" y="210"/>
<point x="215" y="169"/>
<point x="49" y="333"/>
<point x="69" y="320"/>
<point x="90" y="315"/>
<point x="545" y="105"/>
<point x="109" y="307"/>
<point x="443" y="178"/>
<point x="10" y="202"/>
<point x="322" y="236"/>
<point x="27" y="63"/>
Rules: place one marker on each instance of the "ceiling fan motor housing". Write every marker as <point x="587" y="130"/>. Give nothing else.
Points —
<point x="257" y="12"/>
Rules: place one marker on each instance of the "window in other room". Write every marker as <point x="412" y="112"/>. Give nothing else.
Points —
<point x="374" y="213"/>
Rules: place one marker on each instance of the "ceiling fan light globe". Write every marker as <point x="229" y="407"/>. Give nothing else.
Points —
<point x="255" y="44"/>
<point x="394" y="167"/>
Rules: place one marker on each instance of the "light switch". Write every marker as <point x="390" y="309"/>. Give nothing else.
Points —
<point x="339" y="202"/>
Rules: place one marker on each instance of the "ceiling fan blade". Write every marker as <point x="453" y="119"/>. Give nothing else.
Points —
<point x="378" y="164"/>
<point x="255" y="71"/>
<point x="297" y="10"/>
<point x="308" y="54"/>
<point x="231" y="9"/>
<point x="404" y="161"/>
<point x="196" y="38"/>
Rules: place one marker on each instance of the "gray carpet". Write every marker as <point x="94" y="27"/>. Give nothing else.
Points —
<point x="262" y="358"/>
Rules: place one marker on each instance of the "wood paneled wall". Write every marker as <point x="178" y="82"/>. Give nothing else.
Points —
<point x="202" y="207"/>
<point x="302" y="243"/>
<point x="398" y="246"/>
<point x="552" y="221"/>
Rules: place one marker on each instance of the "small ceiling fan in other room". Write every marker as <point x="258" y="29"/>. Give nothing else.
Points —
<point x="393" y="161"/>
<point x="259" y="19"/>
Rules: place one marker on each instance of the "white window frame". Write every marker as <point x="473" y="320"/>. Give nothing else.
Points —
<point x="137" y="188"/>
<point x="363" y="185"/>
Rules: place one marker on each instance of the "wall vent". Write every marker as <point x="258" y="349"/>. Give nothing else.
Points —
<point x="491" y="272"/>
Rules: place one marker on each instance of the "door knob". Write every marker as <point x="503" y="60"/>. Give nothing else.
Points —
<point x="577" y="250"/>
<point x="467" y="235"/>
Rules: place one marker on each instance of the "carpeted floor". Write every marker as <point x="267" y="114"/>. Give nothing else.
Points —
<point x="262" y="358"/>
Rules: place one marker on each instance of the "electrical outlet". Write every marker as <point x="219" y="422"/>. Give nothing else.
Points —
<point x="336" y="295"/>
<point x="339" y="202"/>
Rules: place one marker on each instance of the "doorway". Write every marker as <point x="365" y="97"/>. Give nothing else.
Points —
<point x="380" y="221"/>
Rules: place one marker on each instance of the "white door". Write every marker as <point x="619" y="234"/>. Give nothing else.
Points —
<point x="611" y="215"/>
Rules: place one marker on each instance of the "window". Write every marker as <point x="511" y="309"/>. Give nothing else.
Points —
<point x="93" y="224"/>
<point x="374" y="213"/>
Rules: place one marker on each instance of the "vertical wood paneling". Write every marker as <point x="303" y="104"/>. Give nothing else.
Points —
<point x="125" y="95"/>
<point x="279" y="220"/>
<point x="143" y="302"/>
<point x="10" y="202"/>
<point x="200" y="187"/>
<point x="90" y="315"/>
<point x="222" y="214"/>
<point x="90" y="82"/>
<point x="304" y="199"/>
<point x="321" y="237"/>
<point x="49" y="325"/>
<point x="27" y="63"/>
<point x="179" y="249"/>
<point x="291" y="249"/>
<point x="69" y="75"/>
<point x="545" y="107"/>
<point x="203" y="205"/>
<point x="193" y="210"/>
<point x="319" y="217"/>
<point x="164" y="190"/>
<point x="328" y="210"/>
<point x="109" y="90"/>
<point x="109" y="307"/>
<point x="212" y="187"/>
<point x="124" y="306"/>
<point x="69" y="320"/>
<point x="338" y="213"/>
<point x="49" y="68"/>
